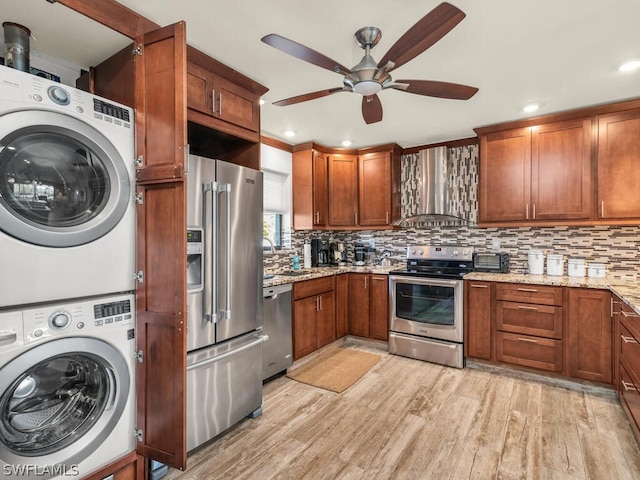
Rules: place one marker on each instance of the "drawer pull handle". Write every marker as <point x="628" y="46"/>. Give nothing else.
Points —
<point x="479" y="286"/>
<point x="628" y="314"/>
<point x="529" y="340"/>
<point x="522" y="307"/>
<point x="628" y="386"/>
<point x="528" y="290"/>
<point x="628" y="339"/>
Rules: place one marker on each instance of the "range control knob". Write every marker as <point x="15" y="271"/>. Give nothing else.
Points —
<point x="59" y="320"/>
<point x="420" y="252"/>
<point x="455" y="252"/>
<point x="59" y="95"/>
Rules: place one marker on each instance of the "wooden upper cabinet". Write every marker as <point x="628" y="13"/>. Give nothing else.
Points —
<point x="541" y="173"/>
<point x="561" y="171"/>
<point x="309" y="192"/>
<point x="343" y="190"/>
<point x="213" y="95"/>
<point x="618" y="161"/>
<point x="374" y="188"/>
<point x="505" y="176"/>
<point x="160" y="99"/>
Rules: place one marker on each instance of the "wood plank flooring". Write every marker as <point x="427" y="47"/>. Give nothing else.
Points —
<point x="407" y="419"/>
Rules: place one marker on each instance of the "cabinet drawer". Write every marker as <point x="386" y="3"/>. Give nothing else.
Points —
<point x="538" y="294"/>
<point x="536" y="352"/>
<point x="629" y="352"/>
<point x="630" y="319"/>
<point x="630" y="398"/>
<point x="316" y="286"/>
<point x="540" y="320"/>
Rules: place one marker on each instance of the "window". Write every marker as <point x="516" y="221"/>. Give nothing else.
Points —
<point x="274" y="208"/>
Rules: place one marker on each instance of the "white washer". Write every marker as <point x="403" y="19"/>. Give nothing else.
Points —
<point x="67" y="180"/>
<point x="67" y="391"/>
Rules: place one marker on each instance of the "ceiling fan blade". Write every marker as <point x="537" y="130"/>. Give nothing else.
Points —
<point x="309" y="96"/>
<point x="303" y="53"/>
<point x="371" y="109"/>
<point x="431" y="28"/>
<point x="435" y="89"/>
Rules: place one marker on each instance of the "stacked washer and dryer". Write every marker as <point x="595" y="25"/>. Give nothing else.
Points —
<point x="67" y="255"/>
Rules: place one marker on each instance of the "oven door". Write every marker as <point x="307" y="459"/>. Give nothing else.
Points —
<point x="427" y="307"/>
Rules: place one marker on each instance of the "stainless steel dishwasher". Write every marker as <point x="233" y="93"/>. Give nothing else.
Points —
<point x="277" y="352"/>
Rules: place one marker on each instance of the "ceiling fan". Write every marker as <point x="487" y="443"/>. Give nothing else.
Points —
<point x="368" y="78"/>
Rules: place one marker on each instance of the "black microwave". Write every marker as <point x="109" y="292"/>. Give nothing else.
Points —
<point x="491" y="262"/>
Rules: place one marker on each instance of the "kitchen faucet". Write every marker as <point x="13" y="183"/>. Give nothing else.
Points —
<point x="272" y="249"/>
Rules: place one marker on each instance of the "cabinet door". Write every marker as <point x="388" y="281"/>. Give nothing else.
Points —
<point x="618" y="160"/>
<point x="320" y="178"/>
<point x="477" y="318"/>
<point x="589" y="349"/>
<point x="199" y="89"/>
<point x="236" y="105"/>
<point x="304" y="326"/>
<point x="374" y="188"/>
<point x="160" y="251"/>
<point x="561" y="172"/>
<point x="342" y="298"/>
<point x="505" y="176"/>
<point x="379" y="307"/>
<point x="326" y="326"/>
<point x="358" y="310"/>
<point x="343" y="190"/>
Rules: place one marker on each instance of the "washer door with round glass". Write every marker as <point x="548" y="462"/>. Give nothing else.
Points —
<point x="60" y="400"/>
<point x="62" y="183"/>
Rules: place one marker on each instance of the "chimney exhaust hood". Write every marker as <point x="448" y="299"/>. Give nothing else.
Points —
<point x="430" y="196"/>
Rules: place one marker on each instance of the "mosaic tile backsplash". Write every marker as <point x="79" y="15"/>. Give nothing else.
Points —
<point x="618" y="247"/>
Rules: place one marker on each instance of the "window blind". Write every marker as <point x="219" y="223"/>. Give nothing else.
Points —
<point x="273" y="195"/>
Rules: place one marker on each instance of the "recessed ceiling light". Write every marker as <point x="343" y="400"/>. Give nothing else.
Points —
<point x="630" y="66"/>
<point x="531" y="108"/>
<point x="261" y="102"/>
<point x="346" y="143"/>
<point x="289" y="133"/>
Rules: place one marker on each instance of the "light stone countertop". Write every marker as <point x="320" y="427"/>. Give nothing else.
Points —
<point x="629" y="292"/>
<point x="318" y="272"/>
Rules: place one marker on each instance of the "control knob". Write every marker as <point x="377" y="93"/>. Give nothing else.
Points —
<point x="59" y="320"/>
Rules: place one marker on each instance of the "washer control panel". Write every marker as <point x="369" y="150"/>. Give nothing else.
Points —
<point x="89" y="317"/>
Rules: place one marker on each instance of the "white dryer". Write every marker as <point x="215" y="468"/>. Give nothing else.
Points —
<point x="67" y="394"/>
<point x="67" y="215"/>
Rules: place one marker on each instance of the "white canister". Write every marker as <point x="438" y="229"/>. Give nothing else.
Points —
<point x="535" y="261"/>
<point x="597" y="270"/>
<point x="575" y="267"/>
<point x="555" y="264"/>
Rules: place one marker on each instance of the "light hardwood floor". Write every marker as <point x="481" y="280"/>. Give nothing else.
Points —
<point x="407" y="419"/>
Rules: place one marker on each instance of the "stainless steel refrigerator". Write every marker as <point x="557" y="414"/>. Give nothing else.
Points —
<point x="224" y="297"/>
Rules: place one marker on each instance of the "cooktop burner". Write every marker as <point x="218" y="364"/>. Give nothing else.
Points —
<point x="437" y="261"/>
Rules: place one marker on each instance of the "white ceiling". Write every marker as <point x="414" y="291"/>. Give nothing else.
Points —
<point x="561" y="54"/>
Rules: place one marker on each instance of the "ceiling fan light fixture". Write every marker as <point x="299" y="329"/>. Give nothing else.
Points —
<point x="367" y="87"/>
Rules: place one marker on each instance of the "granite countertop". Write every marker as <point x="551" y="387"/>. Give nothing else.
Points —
<point x="318" y="272"/>
<point x="629" y="292"/>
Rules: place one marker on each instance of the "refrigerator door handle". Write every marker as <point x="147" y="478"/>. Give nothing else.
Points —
<point x="226" y="313"/>
<point x="211" y="267"/>
<point x="217" y="358"/>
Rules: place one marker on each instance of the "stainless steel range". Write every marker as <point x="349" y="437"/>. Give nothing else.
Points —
<point x="426" y="304"/>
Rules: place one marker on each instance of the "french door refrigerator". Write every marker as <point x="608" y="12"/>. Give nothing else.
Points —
<point x="224" y="297"/>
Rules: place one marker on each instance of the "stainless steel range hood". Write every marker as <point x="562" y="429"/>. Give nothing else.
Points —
<point x="430" y="196"/>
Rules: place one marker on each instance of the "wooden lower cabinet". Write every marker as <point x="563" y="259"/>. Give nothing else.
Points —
<point x="478" y="301"/>
<point x="129" y="467"/>
<point x="358" y="309"/>
<point x="314" y="309"/>
<point x="379" y="307"/>
<point x="342" y="298"/>
<point x="590" y="331"/>
<point x="529" y="351"/>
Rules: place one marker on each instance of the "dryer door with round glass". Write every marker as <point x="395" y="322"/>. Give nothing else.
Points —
<point x="60" y="400"/>
<point x="62" y="183"/>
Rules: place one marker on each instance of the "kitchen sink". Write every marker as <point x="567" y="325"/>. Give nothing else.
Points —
<point x="293" y="274"/>
<point x="267" y="276"/>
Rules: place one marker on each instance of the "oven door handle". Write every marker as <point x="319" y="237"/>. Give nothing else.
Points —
<point x="415" y="280"/>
